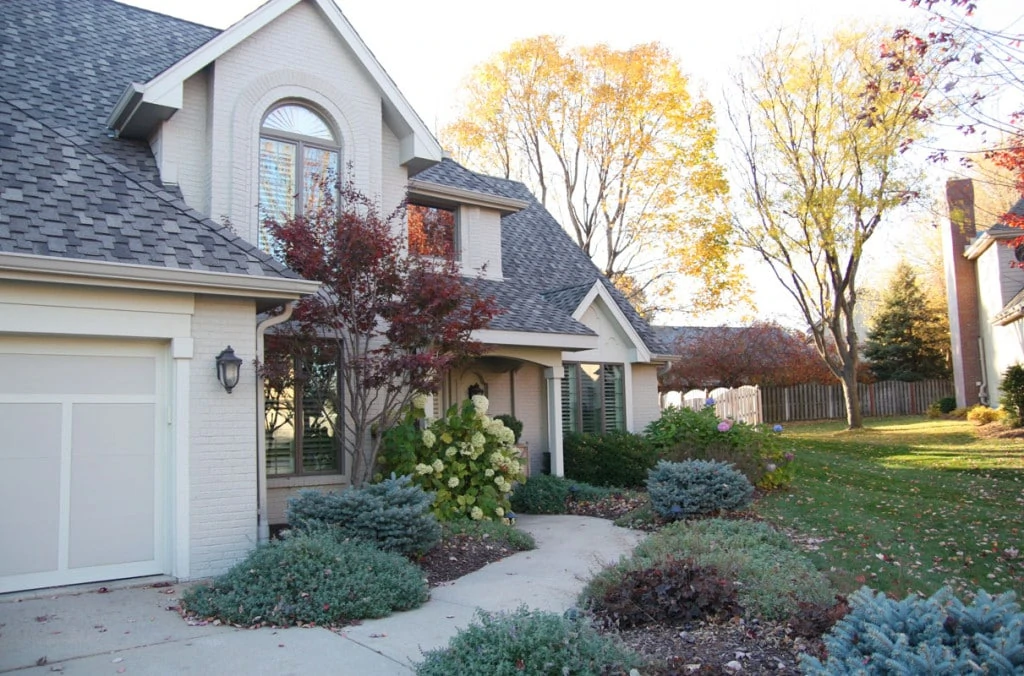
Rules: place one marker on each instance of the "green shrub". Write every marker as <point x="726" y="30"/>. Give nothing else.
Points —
<point x="468" y="460"/>
<point x="982" y="415"/>
<point x="393" y="514"/>
<point x="756" y="450"/>
<point x="496" y="531"/>
<point x="613" y="459"/>
<point x="937" y="635"/>
<point x="947" y="404"/>
<point x="541" y="494"/>
<point x="549" y="494"/>
<point x="313" y="578"/>
<point x="1012" y="386"/>
<point x="527" y="643"/>
<point x="673" y="592"/>
<point x="680" y="490"/>
<point x="513" y="423"/>
<point x="771" y="575"/>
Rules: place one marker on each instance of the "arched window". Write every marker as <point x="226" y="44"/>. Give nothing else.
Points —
<point x="297" y="148"/>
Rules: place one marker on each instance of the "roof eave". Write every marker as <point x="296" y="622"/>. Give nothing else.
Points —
<point x="566" y="342"/>
<point x="267" y="291"/>
<point x="506" y="205"/>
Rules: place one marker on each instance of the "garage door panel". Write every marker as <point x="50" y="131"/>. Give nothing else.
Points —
<point x="30" y="441"/>
<point x="111" y="511"/>
<point x="40" y="374"/>
<point x="113" y="430"/>
<point x="29" y="515"/>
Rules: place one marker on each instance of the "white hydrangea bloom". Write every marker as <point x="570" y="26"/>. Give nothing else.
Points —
<point x="428" y="438"/>
<point x="478" y="440"/>
<point x="499" y="511"/>
<point x="476" y="513"/>
<point x="438" y="465"/>
<point x="450" y="453"/>
<point x="424" y="468"/>
<point x="488" y="472"/>
<point x="419" y="401"/>
<point x="507" y="436"/>
<point x="480" y="403"/>
<point x="453" y="482"/>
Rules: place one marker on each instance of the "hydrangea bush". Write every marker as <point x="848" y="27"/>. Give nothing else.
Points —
<point x="467" y="459"/>
<point x="756" y="450"/>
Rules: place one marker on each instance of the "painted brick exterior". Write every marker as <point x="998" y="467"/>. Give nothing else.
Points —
<point x="645" y="395"/>
<point x="222" y="461"/>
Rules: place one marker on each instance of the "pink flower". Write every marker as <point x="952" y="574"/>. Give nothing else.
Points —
<point x="724" y="426"/>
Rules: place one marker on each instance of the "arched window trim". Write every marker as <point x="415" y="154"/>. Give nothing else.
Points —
<point x="301" y="143"/>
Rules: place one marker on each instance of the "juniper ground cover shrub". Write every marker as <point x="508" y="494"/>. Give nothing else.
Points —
<point x="612" y="459"/>
<point x="939" y="635"/>
<point x="756" y="450"/>
<point x="771" y="575"/>
<point x="681" y="490"/>
<point x="393" y="514"/>
<point x="527" y="642"/>
<point x="310" y="578"/>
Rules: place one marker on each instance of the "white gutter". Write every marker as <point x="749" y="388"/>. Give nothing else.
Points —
<point x="262" y="525"/>
<point x="33" y="268"/>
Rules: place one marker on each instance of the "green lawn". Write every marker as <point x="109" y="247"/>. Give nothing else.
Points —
<point x="907" y="505"/>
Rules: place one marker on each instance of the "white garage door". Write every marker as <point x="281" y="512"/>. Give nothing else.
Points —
<point x="81" y="461"/>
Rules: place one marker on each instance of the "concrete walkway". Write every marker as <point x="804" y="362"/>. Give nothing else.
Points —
<point x="131" y="631"/>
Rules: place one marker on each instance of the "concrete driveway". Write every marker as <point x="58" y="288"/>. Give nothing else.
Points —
<point x="136" y="629"/>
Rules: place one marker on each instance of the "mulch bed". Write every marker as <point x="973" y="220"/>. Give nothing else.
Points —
<point x="459" y="555"/>
<point x="729" y="647"/>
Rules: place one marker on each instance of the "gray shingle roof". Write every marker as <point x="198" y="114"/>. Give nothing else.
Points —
<point x="68" y="189"/>
<point x="543" y="267"/>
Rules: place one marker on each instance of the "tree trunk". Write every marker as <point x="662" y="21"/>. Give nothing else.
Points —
<point x="854" y="418"/>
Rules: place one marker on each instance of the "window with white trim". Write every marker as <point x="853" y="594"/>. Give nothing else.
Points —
<point x="298" y="149"/>
<point x="593" y="398"/>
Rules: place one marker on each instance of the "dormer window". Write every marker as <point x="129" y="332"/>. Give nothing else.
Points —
<point x="297" y="149"/>
<point x="433" y="230"/>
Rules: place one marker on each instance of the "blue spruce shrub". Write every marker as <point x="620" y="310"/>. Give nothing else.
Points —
<point x="937" y="635"/>
<point x="680" y="490"/>
<point x="394" y="515"/>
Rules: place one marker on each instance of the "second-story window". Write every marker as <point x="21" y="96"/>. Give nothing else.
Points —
<point x="433" y="230"/>
<point x="297" y="150"/>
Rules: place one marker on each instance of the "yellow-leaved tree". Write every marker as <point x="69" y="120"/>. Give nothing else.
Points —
<point x="615" y="144"/>
<point x="823" y="130"/>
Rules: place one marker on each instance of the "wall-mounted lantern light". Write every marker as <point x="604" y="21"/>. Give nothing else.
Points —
<point x="229" y="367"/>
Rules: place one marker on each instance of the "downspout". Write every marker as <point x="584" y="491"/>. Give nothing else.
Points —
<point x="262" y="526"/>
<point x="983" y="385"/>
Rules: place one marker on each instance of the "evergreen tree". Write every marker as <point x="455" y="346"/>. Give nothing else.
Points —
<point x="910" y="336"/>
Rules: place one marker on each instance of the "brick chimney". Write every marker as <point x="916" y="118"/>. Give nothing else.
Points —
<point x="962" y="291"/>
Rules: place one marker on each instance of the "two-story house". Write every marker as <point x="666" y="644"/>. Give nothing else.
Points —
<point x="985" y="296"/>
<point x="137" y="154"/>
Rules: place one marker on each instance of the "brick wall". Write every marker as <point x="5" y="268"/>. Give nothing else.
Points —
<point x="962" y="291"/>
<point x="222" y="460"/>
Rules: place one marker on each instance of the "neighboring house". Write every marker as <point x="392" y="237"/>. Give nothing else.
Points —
<point x="137" y="152"/>
<point x="985" y="293"/>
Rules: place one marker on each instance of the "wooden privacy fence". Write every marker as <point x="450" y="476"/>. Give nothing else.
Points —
<point x="741" y="403"/>
<point x="821" y="402"/>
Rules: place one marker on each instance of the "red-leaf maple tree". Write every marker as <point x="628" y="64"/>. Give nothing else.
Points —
<point x="763" y="353"/>
<point x="392" y="322"/>
<point x="980" y="64"/>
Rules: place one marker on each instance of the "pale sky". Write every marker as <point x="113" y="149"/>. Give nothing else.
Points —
<point x="429" y="47"/>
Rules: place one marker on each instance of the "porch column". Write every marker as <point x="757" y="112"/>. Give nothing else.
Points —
<point x="554" y="377"/>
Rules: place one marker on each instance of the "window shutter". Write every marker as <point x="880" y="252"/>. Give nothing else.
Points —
<point x="614" y="397"/>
